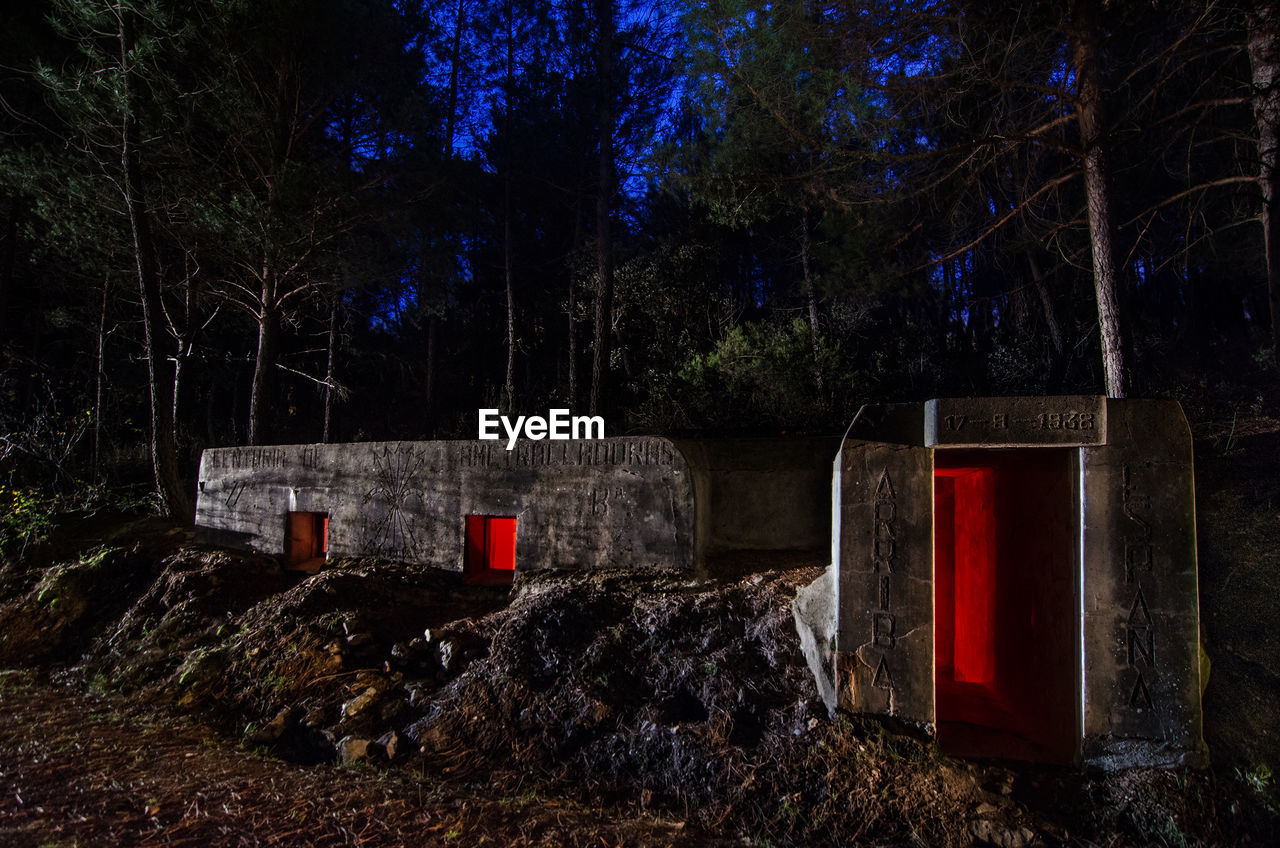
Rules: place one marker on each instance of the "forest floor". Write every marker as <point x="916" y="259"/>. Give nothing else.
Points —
<point x="82" y="770"/>
<point x="167" y="693"/>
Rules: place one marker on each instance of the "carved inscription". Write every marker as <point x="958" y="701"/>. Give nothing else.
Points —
<point x="599" y="498"/>
<point x="882" y="624"/>
<point x="883" y="679"/>
<point x="234" y="491"/>
<point x="392" y="531"/>
<point x="1139" y="628"/>
<point x="1069" y="420"/>
<point x="995" y="421"/>
<point x="884" y="537"/>
<point x="631" y="453"/>
<point x="532" y="454"/>
<point x="481" y="455"/>
<point x="1046" y="421"/>
<point x="1140" y="634"/>
<point x="883" y="548"/>
<point x="249" y="458"/>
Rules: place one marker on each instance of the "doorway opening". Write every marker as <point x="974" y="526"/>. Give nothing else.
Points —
<point x="1006" y="637"/>
<point x="306" y="540"/>
<point x="490" y="556"/>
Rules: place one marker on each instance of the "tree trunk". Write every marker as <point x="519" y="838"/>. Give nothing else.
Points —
<point x="811" y="294"/>
<point x="573" y="344"/>
<point x="433" y="330"/>
<point x="179" y="362"/>
<point x="603" y="330"/>
<point x="451" y="129"/>
<point x="573" y="302"/>
<point x="264" y="367"/>
<point x="508" y="389"/>
<point x="8" y="263"/>
<point x="1046" y="303"/>
<point x="1264" y="57"/>
<point x="331" y="371"/>
<point x="1086" y="37"/>
<point x="164" y="459"/>
<point x="96" y="464"/>
<point x="508" y="386"/>
<point x="186" y="343"/>
<point x="451" y="118"/>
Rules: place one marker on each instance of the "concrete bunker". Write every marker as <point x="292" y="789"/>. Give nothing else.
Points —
<point x="476" y="508"/>
<point x="1017" y="578"/>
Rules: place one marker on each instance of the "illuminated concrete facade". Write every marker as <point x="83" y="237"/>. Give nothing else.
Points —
<point x="1016" y="576"/>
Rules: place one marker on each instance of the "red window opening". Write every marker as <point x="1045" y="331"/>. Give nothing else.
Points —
<point x="306" y="540"/>
<point x="1006" y="635"/>
<point x="490" y="556"/>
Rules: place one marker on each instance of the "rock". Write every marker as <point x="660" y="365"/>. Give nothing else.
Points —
<point x="390" y="709"/>
<point x="272" y="731"/>
<point x="366" y="677"/>
<point x="453" y="650"/>
<point x="360" y="703"/>
<point x="353" y="749"/>
<point x="418" y="694"/>
<point x="987" y="832"/>
<point x="389" y="744"/>
<point x="998" y="783"/>
<point x="359" y="641"/>
<point x="815" y="616"/>
<point x="447" y="654"/>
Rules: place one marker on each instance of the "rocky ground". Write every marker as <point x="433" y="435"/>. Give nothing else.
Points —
<point x="178" y="694"/>
<point x="87" y="770"/>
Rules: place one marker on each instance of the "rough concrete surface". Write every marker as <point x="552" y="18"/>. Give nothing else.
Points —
<point x="1137" y="622"/>
<point x="578" y="504"/>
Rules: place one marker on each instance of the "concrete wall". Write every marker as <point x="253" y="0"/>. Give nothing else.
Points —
<point x="580" y="504"/>
<point x="1141" y="610"/>
<point x="762" y="494"/>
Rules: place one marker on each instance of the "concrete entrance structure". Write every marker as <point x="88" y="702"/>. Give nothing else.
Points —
<point x="1017" y="577"/>
<point x="476" y="507"/>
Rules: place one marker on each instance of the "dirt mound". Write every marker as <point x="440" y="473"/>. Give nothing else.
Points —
<point x="299" y="662"/>
<point x="55" y="607"/>
<point x="189" y="607"/>
<point x="675" y="675"/>
<point x="671" y="695"/>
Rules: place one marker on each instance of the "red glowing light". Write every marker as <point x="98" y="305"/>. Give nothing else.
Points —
<point x="1006" y="681"/>
<point x="490" y="555"/>
<point x="306" y="540"/>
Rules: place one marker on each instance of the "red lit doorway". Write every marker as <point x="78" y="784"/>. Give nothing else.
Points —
<point x="306" y="540"/>
<point x="491" y="549"/>
<point x="1007" y="638"/>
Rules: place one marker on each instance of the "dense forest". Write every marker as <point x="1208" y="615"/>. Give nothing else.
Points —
<point x="275" y="221"/>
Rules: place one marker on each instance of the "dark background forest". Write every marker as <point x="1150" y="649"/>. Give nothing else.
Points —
<point x="279" y="221"/>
